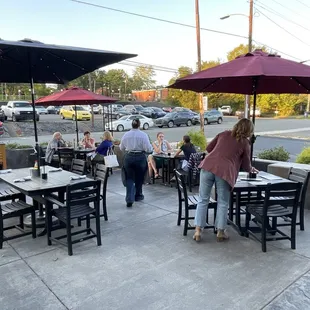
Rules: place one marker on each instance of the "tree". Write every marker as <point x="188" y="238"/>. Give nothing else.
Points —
<point x="143" y="78"/>
<point x="243" y="49"/>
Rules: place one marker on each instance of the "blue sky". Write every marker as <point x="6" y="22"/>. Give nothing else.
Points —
<point x="68" y="23"/>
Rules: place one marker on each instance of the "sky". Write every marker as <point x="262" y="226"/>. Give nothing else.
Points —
<point x="280" y="24"/>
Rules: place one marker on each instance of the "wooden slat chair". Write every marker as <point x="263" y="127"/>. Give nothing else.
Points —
<point x="302" y="176"/>
<point x="12" y="209"/>
<point x="78" y="166"/>
<point x="272" y="208"/>
<point x="190" y="203"/>
<point x="79" y="196"/>
<point x="65" y="156"/>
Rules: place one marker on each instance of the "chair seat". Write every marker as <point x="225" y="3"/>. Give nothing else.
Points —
<point x="273" y="211"/>
<point x="193" y="200"/>
<point x="9" y="194"/>
<point x="76" y="212"/>
<point x="15" y="208"/>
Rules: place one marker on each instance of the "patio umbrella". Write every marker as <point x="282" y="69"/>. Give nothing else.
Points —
<point x="29" y="61"/>
<point x="251" y="74"/>
<point x="74" y="96"/>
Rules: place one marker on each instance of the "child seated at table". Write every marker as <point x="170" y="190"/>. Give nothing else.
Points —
<point x="187" y="148"/>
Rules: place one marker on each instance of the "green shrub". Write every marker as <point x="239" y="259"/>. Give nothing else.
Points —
<point x="16" y="146"/>
<point x="198" y="139"/>
<point x="276" y="153"/>
<point x="304" y="156"/>
<point x="43" y="144"/>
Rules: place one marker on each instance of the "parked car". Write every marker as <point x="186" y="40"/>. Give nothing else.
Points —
<point x="257" y="112"/>
<point x="41" y="110"/>
<point x="124" y="123"/>
<point x="123" y="112"/>
<point x="226" y="110"/>
<point x="69" y="112"/>
<point x="147" y="112"/>
<point x="167" y="109"/>
<point x="18" y="110"/>
<point x="2" y="116"/>
<point x="97" y="108"/>
<point x="52" y="109"/>
<point x="181" y="109"/>
<point x="130" y="107"/>
<point x="178" y="119"/>
<point x="213" y="116"/>
<point x="139" y="108"/>
<point x="158" y="112"/>
<point x="239" y="114"/>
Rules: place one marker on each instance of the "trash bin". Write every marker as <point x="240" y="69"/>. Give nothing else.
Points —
<point x="2" y="156"/>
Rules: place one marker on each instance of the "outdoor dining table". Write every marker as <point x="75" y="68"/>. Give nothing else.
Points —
<point x="253" y="186"/>
<point x="36" y="187"/>
<point x="82" y="152"/>
<point x="171" y="162"/>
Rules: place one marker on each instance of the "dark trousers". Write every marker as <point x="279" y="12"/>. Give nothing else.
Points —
<point x="135" y="165"/>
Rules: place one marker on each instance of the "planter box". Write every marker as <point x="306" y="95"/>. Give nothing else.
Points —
<point x="262" y="164"/>
<point x="20" y="158"/>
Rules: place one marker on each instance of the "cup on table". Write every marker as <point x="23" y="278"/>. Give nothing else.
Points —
<point x="252" y="175"/>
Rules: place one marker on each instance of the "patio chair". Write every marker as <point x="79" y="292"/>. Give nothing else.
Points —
<point x="272" y="208"/>
<point x="193" y="174"/>
<point x="79" y="197"/>
<point x="65" y="156"/>
<point x="302" y="176"/>
<point x="13" y="209"/>
<point x="190" y="203"/>
<point x="78" y="166"/>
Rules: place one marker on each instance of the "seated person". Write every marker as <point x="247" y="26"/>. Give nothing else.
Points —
<point x="87" y="141"/>
<point x="102" y="149"/>
<point x="160" y="146"/>
<point x="53" y="146"/>
<point x="187" y="148"/>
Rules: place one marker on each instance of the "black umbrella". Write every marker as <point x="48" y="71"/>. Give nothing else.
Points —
<point x="35" y="62"/>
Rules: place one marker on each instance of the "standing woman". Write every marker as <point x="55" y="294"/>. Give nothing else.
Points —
<point x="228" y="152"/>
<point x="135" y="144"/>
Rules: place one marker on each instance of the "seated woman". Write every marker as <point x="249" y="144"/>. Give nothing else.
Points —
<point x="160" y="146"/>
<point x="87" y="141"/>
<point x="187" y="148"/>
<point x="53" y="146"/>
<point x="102" y="149"/>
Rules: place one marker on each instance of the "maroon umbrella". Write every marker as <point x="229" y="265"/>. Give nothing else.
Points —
<point x="74" y="96"/>
<point x="250" y="74"/>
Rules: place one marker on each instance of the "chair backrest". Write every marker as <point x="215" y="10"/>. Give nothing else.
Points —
<point x="78" y="166"/>
<point x="83" y="193"/>
<point x="288" y="191"/>
<point x="181" y="186"/>
<point x="66" y="153"/>
<point x="302" y="176"/>
<point x="102" y="173"/>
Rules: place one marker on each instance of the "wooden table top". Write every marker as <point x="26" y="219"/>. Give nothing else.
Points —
<point x="37" y="186"/>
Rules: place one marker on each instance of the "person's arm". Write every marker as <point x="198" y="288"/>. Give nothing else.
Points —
<point x="246" y="160"/>
<point x="169" y="146"/>
<point x="156" y="148"/>
<point x="212" y="144"/>
<point x="147" y="146"/>
<point x="122" y="146"/>
<point x="92" y="143"/>
<point x="101" y="147"/>
<point x="178" y="153"/>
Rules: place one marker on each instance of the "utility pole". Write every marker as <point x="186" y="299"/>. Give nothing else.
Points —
<point x="199" y="63"/>
<point x="89" y="82"/>
<point x="247" y="97"/>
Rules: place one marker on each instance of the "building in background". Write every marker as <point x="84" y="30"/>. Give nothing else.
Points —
<point x="150" y="94"/>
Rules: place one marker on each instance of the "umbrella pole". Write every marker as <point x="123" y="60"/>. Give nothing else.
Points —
<point x="34" y="116"/>
<point x="253" y="138"/>
<point x="76" y="127"/>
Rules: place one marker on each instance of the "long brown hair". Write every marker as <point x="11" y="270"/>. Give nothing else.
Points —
<point x="243" y="129"/>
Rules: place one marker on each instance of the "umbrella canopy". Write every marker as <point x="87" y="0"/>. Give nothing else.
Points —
<point x="35" y="62"/>
<point x="257" y="72"/>
<point x="50" y="63"/>
<point x="74" y="96"/>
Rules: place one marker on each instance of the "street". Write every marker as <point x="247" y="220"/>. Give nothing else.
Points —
<point x="271" y="133"/>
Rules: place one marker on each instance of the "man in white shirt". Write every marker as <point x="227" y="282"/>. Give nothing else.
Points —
<point x="135" y="144"/>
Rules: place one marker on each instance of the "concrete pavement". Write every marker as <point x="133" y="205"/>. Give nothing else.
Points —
<point x="145" y="263"/>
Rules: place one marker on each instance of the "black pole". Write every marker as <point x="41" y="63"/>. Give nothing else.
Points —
<point x="76" y="127"/>
<point x="34" y="114"/>
<point x="103" y="118"/>
<point x="253" y="138"/>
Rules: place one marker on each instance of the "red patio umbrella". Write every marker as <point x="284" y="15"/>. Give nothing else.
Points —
<point x="250" y="74"/>
<point x="74" y="96"/>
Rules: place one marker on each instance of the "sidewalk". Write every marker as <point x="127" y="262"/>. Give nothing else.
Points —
<point x="146" y="263"/>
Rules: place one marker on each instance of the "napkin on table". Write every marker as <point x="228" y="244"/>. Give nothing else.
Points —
<point x="55" y="170"/>
<point x="78" y="177"/>
<point x="5" y="171"/>
<point x="22" y="179"/>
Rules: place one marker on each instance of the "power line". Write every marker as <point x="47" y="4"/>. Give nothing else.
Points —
<point x="148" y="65"/>
<point x="272" y="11"/>
<point x="154" y="68"/>
<point x="158" y="19"/>
<point x="306" y="5"/>
<point x="283" y="28"/>
<point x="291" y="11"/>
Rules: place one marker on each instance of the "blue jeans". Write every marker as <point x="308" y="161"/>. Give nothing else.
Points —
<point x="135" y="166"/>
<point x="207" y="180"/>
